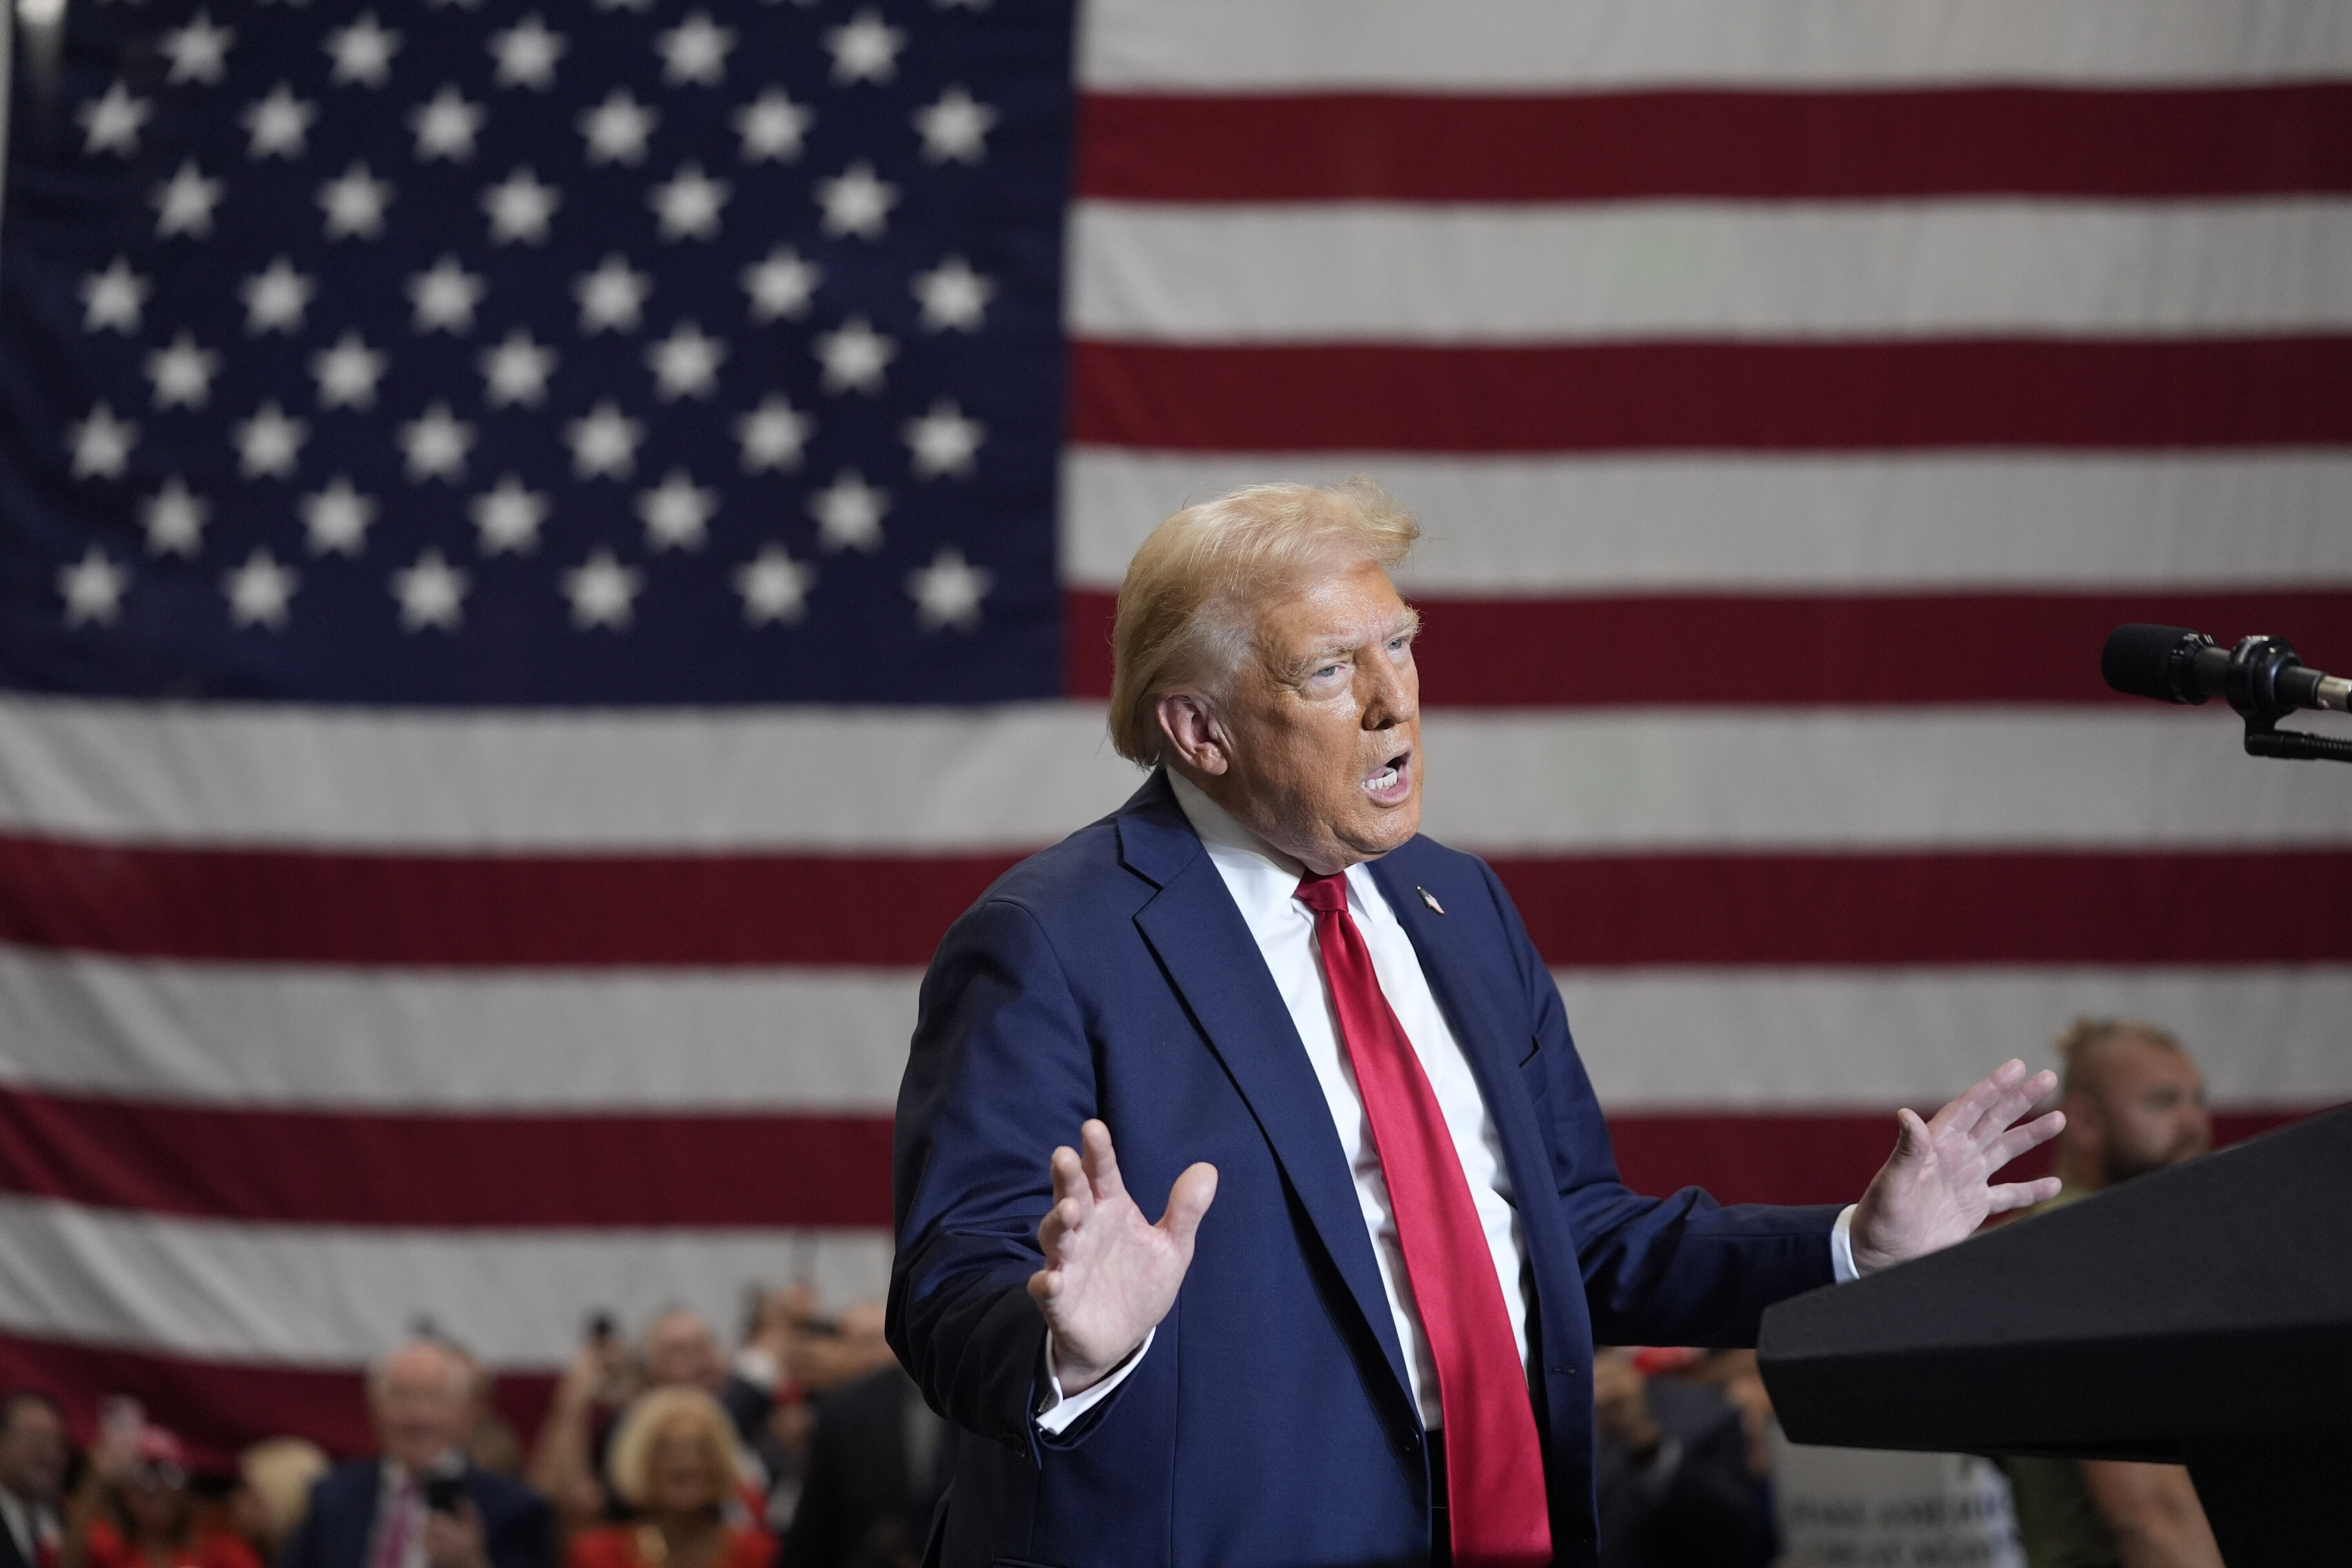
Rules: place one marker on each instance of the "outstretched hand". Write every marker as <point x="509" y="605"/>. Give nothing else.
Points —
<point x="1936" y="1187"/>
<point x="1110" y="1275"/>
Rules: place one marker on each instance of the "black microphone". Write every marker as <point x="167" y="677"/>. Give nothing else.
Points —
<point x="2260" y="678"/>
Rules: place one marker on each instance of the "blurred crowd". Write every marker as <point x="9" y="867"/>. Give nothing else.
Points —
<point x="807" y="1446"/>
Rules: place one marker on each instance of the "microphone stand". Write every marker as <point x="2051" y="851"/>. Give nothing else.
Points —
<point x="2252" y="688"/>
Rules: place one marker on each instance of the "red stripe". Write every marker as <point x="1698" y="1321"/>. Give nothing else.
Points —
<point x="316" y="1167"/>
<point x="1721" y="396"/>
<point x="1819" y="1159"/>
<point x="2223" y="141"/>
<point x="220" y="1407"/>
<point x="304" y="907"/>
<point x="2181" y="907"/>
<point x="296" y="907"/>
<point x="1856" y="650"/>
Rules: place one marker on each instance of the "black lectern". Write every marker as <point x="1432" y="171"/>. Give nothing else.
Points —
<point x="2198" y="1315"/>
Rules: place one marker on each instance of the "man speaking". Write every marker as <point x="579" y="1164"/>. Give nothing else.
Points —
<point x="1362" y="1330"/>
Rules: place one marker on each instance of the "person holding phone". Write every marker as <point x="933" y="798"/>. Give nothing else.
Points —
<point x="420" y="1504"/>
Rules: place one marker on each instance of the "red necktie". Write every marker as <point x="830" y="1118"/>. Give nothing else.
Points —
<point x="399" y="1525"/>
<point x="1494" y="1462"/>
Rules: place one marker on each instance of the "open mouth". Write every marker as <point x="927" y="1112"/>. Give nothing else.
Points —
<point x="1394" y="782"/>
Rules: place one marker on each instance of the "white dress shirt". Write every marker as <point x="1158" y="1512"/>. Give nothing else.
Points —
<point x="1264" y="881"/>
<point x="30" y="1523"/>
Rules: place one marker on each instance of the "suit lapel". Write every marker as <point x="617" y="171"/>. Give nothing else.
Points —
<point x="1489" y="1043"/>
<point x="1209" y="954"/>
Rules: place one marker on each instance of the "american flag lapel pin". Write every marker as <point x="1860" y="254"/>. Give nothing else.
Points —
<point x="1428" y="898"/>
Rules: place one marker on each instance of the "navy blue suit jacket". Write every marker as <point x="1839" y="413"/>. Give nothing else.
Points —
<point x="1272" y="1422"/>
<point x="518" y="1529"/>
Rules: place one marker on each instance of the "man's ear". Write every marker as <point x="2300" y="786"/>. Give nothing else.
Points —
<point x="1194" y="737"/>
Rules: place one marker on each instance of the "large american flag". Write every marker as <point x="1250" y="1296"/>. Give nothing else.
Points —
<point x="546" y="551"/>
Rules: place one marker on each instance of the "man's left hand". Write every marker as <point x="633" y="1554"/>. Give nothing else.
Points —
<point x="453" y="1540"/>
<point x="1936" y="1187"/>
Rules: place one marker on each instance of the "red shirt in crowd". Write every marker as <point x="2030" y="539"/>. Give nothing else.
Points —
<point x="616" y="1546"/>
<point x="108" y="1549"/>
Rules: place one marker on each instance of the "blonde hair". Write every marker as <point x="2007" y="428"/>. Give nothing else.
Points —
<point x="2078" y="1047"/>
<point x="1183" y="609"/>
<point x="278" y="1472"/>
<point x="633" y="1444"/>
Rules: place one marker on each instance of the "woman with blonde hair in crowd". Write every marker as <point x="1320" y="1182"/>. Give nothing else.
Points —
<point x="676" y="1462"/>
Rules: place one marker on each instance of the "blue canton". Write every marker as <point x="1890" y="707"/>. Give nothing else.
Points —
<point x="482" y="353"/>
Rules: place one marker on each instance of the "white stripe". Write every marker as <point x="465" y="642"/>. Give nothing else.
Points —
<point x="1534" y="45"/>
<point x="877" y="779"/>
<point x="732" y="1041"/>
<point x="333" y="1295"/>
<point x="1514" y="783"/>
<point x="1522" y="527"/>
<point x="1798" y="1040"/>
<point x="1615" y="272"/>
<point x="1502" y="782"/>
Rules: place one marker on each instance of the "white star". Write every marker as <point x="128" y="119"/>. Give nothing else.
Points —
<point x="199" y="51"/>
<point x="695" y="51"/>
<point x="516" y="371"/>
<point x="855" y="356"/>
<point x="773" y="435"/>
<point x="93" y="588"/>
<point x="943" y="441"/>
<point x="865" y="48"/>
<point x="603" y="592"/>
<point x="780" y="285"/>
<point x="347" y="373"/>
<point x="848" y="513"/>
<point x="174" y="519"/>
<point x="446" y="126"/>
<point x="953" y="297"/>
<point x="437" y="443"/>
<point x="259" y="590"/>
<point x="526" y="53"/>
<point x="688" y="203"/>
<point x="184" y="203"/>
<point x="612" y="298"/>
<point x="520" y="207"/>
<point x="775" y="587"/>
<point x="275" y="298"/>
<point x="110" y="123"/>
<point x="445" y="297"/>
<point x="676" y="514"/>
<point x="181" y="373"/>
<point x="605" y="443"/>
<point x="508" y="517"/>
<point x="856" y="202"/>
<point x="686" y="364"/>
<point x="618" y="130"/>
<point x="279" y="126"/>
<point x="354" y="204"/>
<point x="101" y="444"/>
<point x="947" y="592"/>
<point x="336" y="519"/>
<point x="268" y="442"/>
<point x="364" y="52"/>
<point x="113" y="299"/>
<point x="771" y="126"/>
<point x="430" y="594"/>
<point x="955" y="128"/>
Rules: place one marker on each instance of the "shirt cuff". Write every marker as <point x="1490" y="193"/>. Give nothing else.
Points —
<point x="1060" y="1412"/>
<point x="1842" y="1246"/>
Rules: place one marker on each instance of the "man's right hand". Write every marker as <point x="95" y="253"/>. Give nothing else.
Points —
<point x="1110" y="1275"/>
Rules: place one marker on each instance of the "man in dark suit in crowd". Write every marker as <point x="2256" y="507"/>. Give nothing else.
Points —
<point x="876" y="1459"/>
<point x="1279" y="997"/>
<point x="33" y="1454"/>
<point x="420" y="1504"/>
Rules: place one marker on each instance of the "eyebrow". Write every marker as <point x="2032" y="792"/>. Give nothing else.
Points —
<point x="1404" y="625"/>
